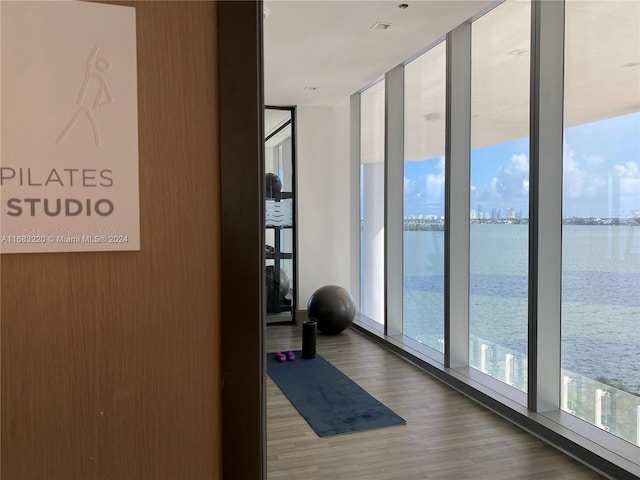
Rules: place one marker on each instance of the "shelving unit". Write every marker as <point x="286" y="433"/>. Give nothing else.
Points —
<point x="278" y="283"/>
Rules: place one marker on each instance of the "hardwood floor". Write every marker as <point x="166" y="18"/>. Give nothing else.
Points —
<point x="447" y="436"/>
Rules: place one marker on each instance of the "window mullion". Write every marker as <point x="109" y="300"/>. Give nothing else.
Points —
<point x="394" y="222"/>
<point x="354" y="200"/>
<point x="545" y="230"/>
<point x="458" y="128"/>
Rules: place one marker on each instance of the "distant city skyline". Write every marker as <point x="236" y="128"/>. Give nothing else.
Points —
<point x="601" y="174"/>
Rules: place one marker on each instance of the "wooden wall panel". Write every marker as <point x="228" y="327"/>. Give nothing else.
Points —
<point x="111" y="361"/>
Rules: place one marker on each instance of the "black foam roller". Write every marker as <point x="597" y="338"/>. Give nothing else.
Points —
<point x="309" y="339"/>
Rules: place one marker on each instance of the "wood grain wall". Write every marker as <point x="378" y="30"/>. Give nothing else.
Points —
<point x="110" y="361"/>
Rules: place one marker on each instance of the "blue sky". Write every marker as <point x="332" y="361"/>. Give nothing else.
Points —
<point x="601" y="173"/>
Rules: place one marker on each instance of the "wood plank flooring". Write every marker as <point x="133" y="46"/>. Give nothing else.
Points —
<point x="447" y="436"/>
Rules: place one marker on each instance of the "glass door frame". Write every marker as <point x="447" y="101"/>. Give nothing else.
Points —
<point x="291" y="122"/>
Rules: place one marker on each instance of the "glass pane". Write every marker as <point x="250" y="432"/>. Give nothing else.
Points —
<point x="601" y="216"/>
<point x="499" y="232"/>
<point x="424" y="143"/>
<point x="372" y="203"/>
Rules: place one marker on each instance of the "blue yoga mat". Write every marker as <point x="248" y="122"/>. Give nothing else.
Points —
<point x="328" y="400"/>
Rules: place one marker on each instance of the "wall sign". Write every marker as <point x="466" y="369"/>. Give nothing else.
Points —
<point x="68" y="127"/>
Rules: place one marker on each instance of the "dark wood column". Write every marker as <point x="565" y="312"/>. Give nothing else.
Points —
<point x="243" y="273"/>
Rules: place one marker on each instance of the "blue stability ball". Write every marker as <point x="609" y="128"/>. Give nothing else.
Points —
<point x="332" y="308"/>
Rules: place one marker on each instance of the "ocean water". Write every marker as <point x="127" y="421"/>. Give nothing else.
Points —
<point x="600" y="294"/>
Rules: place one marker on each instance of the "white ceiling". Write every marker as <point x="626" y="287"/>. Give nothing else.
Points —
<point x="274" y="119"/>
<point x="330" y="44"/>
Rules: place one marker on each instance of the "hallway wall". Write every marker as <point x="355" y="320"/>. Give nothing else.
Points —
<point x="323" y="193"/>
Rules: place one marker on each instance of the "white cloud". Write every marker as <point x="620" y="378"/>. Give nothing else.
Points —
<point x="628" y="170"/>
<point x="593" y="160"/>
<point x="629" y="177"/>
<point x="518" y="165"/>
<point x="630" y="187"/>
<point x="510" y="185"/>
<point x="494" y="187"/>
<point x="573" y="178"/>
<point x="596" y="185"/>
<point x="579" y="182"/>
<point x="409" y="187"/>
<point x="435" y="183"/>
<point x="425" y="194"/>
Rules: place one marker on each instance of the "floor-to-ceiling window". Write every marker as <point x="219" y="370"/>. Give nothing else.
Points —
<point x="498" y="256"/>
<point x="553" y="300"/>
<point x="601" y="216"/>
<point x="372" y="158"/>
<point x="424" y="197"/>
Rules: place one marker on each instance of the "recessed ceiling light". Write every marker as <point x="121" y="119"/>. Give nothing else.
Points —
<point x="310" y="89"/>
<point x="380" y="26"/>
<point x="403" y="6"/>
<point x="430" y="117"/>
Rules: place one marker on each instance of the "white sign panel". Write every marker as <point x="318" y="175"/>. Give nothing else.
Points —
<point x="68" y="127"/>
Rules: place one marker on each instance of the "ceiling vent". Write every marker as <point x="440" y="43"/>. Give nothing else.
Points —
<point x="380" y="26"/>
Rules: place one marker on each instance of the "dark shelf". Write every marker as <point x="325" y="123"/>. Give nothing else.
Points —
<point x="281" y="256"/>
